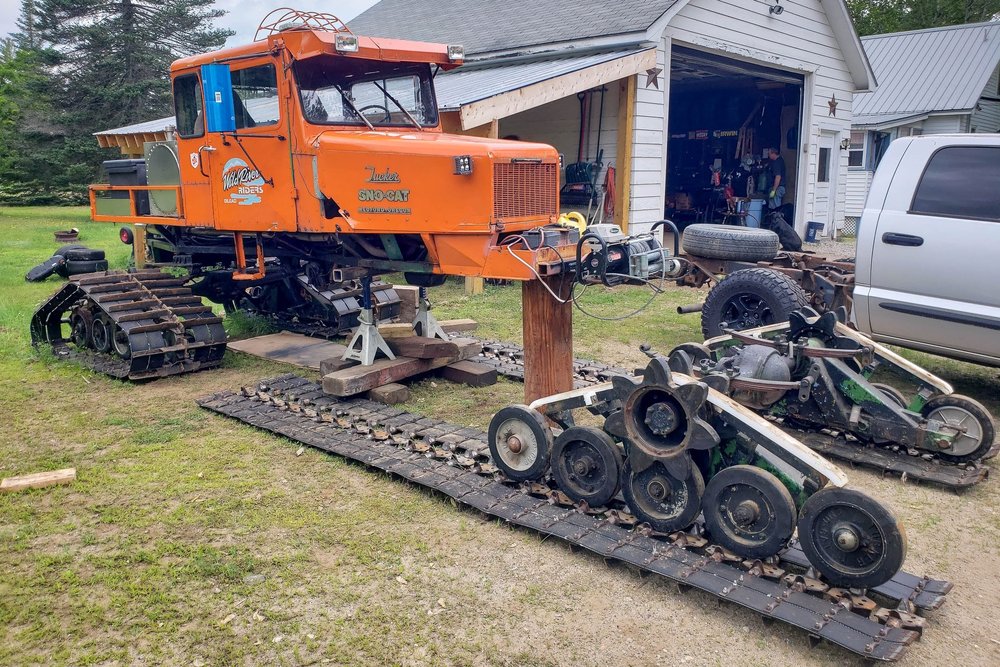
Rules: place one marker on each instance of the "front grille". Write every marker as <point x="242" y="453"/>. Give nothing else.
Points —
<point x="525" y="189"/>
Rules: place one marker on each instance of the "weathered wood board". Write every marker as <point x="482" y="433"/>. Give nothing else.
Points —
<point x="290" y="348"/>
<point x="38" y="480"/>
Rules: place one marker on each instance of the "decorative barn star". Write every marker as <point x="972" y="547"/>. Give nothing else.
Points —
<point x="652" y="77"/>
<point x="833" y="105"/>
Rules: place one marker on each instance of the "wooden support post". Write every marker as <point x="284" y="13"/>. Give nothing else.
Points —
<point x="473" y="285"/>
<point x="626" y="128"/>
<point x="139" y="245"/>
<point x="548" y="338"/>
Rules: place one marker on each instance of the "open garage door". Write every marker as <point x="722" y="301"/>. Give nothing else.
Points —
<point x="724" y="115"/>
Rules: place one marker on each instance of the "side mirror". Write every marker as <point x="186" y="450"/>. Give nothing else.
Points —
<point x="220" y="115"/>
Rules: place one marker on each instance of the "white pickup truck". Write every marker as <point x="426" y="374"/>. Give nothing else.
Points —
<point x="926" y="273"/>
<point x="927" y="269"/>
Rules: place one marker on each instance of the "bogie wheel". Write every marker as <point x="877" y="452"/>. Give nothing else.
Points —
<point x="81" y="327"/>
<point x="852" y="539"/>
<point x="890" y="392"/>
<point x="748" y="511"/>
<point x="658" y="498"/>
<point x="586" y="464"/>
<point x="102" y="333"/>
<point x="975" y="422"/>
<point x="750" y="298"/>
<point x="520" y="442"/>
<point x="120" y="343"/>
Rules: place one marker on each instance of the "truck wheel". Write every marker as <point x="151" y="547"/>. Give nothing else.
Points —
<point x="750" y="298"/>
<point x="725" y="242"/>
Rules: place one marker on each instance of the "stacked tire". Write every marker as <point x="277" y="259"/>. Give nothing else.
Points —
<point x="69" y="260"/>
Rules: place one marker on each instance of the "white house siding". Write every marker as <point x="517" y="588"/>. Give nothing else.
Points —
<point x="799" y="40"/>
<point x="649" y="145"/>
<point x="858" y="183"/>
<point x="987" y="117"/>
<point x="558" y="124"/>
<point x="946" y="124"/>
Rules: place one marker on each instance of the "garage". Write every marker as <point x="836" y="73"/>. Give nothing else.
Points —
<point x="723" y="116"/>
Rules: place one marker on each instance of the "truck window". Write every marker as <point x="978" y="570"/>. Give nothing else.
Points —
<point x="960" y="182"/>
<point x="255" y="96"/>
<point x="187" y="106"/>
<point x="373" y="88"/>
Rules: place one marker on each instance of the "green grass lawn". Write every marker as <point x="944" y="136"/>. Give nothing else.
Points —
<point x="191" y="539"/>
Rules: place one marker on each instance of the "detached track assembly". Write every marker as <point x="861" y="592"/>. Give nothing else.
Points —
<point x="131" y="325"/>
<point x="508" y="359"/>
<point x="878" y="624"/>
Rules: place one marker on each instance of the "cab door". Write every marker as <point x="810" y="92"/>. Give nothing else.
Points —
<point x="250" y="162"/>
<point x="193" y="145"/>
<point x="934" y="266"/>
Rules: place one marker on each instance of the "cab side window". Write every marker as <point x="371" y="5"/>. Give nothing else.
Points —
<point x="255" y="96"/>
<point x="961" y="182"/>
<point x="187" y="106"/>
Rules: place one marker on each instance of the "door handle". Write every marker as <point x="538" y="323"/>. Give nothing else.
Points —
<point x="892" y="238"/>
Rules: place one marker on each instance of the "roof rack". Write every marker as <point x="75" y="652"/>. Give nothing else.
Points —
<point x="284" y="18"/>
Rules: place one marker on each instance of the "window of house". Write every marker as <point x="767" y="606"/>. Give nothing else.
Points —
<point x="856" y="151"/>
<point x="187" y="106"/>
<point x="823" y="172"/>
<point x="255" y="96"/>
<point x="961" y="182"/>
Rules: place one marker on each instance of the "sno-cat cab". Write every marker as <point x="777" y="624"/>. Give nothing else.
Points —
<point x="330" y="145"/>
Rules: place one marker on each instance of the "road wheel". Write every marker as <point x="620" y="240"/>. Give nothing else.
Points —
<point x="658" y="498"/>
<point x="102" y="334"/>
<point x="963" y="413"/>
<point x="748" y="511"/>
<point x="587" y="464"/>
<point x="520" y="442"/>
<point x="746" y="244"/>
<point x="750" y="298"/>
<point x="852" y="539"/>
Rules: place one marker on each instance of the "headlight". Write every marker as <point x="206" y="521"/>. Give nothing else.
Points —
<point x="456" y="52"/>
<point x="346" y="43"/>
<point x="463" y="165"/>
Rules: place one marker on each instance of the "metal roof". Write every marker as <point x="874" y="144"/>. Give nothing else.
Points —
<point x="925" y="71"/>
<point x="147" y="127"/>
<point x="482" y="27"/>
<point x="472" y="84"/>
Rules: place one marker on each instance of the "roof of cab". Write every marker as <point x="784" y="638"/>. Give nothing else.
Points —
<point x="307" y="43"/>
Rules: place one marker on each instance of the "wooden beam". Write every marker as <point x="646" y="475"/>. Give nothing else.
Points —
<point x="404" y="329"/>
<point x="623" y="160"/>
<point x="421" y="347"/>
<point x="38" y="480"/>
<point x="451" y="123"/>
<point x="139" y="245"/>
<point x="548" y="338"/>
<point x="506" y="104"/>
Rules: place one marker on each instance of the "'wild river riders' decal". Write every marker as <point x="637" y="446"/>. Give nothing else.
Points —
<point x="241" y="185"/>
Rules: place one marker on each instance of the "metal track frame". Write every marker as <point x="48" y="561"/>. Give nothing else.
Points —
<point x="878" y="624"/>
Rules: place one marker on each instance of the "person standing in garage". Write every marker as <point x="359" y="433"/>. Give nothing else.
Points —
<point x="777" y="169"/>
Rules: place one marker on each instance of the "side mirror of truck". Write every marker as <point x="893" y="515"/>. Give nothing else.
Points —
<point x="220" y="114"/>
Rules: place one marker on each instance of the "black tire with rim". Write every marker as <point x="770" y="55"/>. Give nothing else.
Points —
<point x="520" y="442"/>
<point x="747" y="244"/>
<point x="121" y="344"/>
<point x="587" y="464"/>
<point x="658" y="498"/>
<point x="750" y="298"/>
<point x="963" y="412"/>
<point x="748" y="511"/>
<point x="851" y="538"/>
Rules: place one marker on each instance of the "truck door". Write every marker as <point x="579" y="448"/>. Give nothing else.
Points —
<point x="934" y="264"/>
<point x="250" y="166"/>
<point x="192" y="144"/>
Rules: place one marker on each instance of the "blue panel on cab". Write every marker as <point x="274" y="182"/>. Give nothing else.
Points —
<point x="219" y="113"/>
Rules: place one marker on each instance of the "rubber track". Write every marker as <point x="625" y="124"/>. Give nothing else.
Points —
<point x="453" y="461"/>
<point x="170" y="330"/>
<point x="508" y="359"/>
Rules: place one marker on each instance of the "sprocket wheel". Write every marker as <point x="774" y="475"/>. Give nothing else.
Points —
<point x="663" y="501"/>
<point x="851" y="538"/>
<point x="748" y="511"/>
<point x="586" y="464"/>
<point x="520" y="442"/>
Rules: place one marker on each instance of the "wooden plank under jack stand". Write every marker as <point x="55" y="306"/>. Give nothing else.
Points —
<point x="38" y="480"/>
<point x="548" y="337"/>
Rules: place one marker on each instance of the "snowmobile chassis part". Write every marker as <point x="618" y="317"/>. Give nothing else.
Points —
<point x="508" y="360"/>
<point x="878" y="624"/>
<point x="158" y="326"/>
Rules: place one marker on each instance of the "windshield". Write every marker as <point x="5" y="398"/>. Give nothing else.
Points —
<point x="343" y="91"/>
